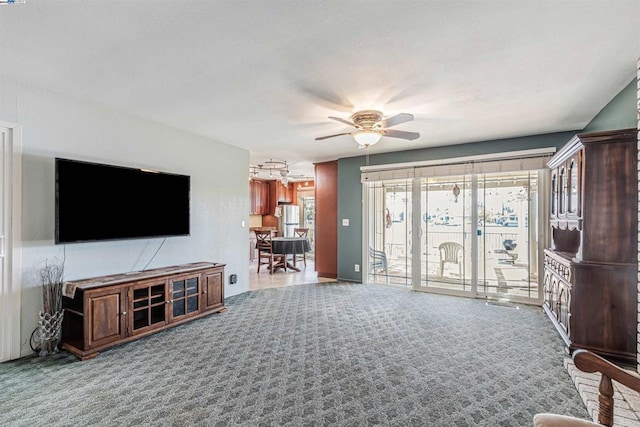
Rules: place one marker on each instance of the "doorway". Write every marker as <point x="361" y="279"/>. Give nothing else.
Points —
<point x="307" y="202"/>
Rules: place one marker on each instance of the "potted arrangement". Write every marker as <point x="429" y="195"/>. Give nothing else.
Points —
<point x="50" y="318"/>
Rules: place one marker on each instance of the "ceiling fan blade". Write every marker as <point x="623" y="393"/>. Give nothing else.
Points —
<point x="346" y="122"/>
<point x="396" y="120"/>
<point x="320" y="138"/>
<point x="401" y="134"/>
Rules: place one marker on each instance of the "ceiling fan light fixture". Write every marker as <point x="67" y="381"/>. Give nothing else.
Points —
<point x="367" y="138"/>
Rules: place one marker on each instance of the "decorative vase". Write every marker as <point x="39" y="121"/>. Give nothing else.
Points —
<point x="50" y="331"/>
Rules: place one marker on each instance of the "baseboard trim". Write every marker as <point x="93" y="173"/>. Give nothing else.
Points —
<point x="327" y="275"/>
<point x="349" y="280"/>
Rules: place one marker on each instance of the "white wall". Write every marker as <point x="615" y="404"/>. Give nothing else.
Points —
<point x="58" y="126"/>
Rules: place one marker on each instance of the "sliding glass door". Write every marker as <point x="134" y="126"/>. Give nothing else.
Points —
<point x="469" y="234"/>
<point x="445" y="233"/>
<point x="508" y="247"/>
<point x="389" y="229"/>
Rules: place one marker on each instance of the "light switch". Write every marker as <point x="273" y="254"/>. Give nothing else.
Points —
<point x="242" y="224"/>
<point x="345" y="222"/>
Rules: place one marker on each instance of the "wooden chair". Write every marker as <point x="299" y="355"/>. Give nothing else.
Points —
<point x="450" y="252"/>
<point x="265" y="250"/>
<point x="300" y="232"/>
<point x="587" y="361"/>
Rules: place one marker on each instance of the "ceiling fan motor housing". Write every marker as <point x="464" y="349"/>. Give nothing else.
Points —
<point x="366" y="119"/>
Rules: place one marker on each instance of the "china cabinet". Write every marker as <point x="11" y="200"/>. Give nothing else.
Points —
<point x="590" y="278"/>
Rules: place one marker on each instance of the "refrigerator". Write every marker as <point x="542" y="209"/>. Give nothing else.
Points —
<point x="288" y="220"/>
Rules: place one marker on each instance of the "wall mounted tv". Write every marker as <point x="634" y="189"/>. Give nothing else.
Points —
<point x="103" y="202"/>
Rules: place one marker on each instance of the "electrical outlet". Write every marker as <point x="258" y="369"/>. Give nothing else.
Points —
<point x="233" y="279"/>
<point x="357" y="268"/>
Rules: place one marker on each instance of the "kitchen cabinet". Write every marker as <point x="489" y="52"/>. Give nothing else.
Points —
<point x="259" y="197"/>
<point x="279" y="193"/>
<point x="590" y="279"/>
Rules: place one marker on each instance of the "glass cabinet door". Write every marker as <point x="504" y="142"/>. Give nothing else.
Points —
<point x="562" y="192"/>
<point x="147" y="306"/>
<point x="554" y="193"/>
<point x="185" y="296"/>
<point x="573" y="186"/>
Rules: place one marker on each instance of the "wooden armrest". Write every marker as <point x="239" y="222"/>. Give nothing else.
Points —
<point x="587" y="361"/>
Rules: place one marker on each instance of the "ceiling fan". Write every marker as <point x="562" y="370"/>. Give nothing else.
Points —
<point x="371" y="126"/>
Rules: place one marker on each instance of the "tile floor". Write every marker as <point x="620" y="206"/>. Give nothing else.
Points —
<point x="626" y="412"/>
<point x="280" y="278"/>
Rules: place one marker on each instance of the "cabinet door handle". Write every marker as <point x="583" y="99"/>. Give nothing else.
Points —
<point x="167" y="302"/>
<point x="124" y="313"/>
<point x="204" y="292"/>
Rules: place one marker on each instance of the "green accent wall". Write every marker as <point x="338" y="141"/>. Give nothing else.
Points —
<point x="619" y="113"/>
<point x="350" y="207"/>
<point x="350" y="188"/>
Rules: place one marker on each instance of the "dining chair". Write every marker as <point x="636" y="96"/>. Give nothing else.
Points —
<point x="265" y="250"/>
<point x="300" y="232"/>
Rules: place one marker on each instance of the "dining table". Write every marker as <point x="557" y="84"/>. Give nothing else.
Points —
<point x="289" y="246"/>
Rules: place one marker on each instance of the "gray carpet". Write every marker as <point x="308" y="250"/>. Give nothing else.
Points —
<point x="324" y="354"/>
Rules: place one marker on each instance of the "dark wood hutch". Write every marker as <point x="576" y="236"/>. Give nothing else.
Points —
<point x="590" y="271"/>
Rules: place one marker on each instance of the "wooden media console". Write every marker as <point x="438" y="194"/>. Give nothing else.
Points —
<point x="105" y="311"/>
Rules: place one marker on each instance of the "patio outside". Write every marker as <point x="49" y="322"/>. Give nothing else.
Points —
<point x="504" y="272"/>
<point x="500" y="249"/>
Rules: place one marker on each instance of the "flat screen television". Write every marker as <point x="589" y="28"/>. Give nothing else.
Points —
<point x="97" y="202"/>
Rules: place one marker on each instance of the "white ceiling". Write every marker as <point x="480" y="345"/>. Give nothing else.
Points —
<point x="264" y="75"/>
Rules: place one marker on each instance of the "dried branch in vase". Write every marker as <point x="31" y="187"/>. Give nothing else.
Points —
<point x="51" y="277"/>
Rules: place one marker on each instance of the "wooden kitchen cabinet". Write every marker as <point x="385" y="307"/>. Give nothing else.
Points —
<point x="259" y="197"/>
<point x="109" y="310"/>
<point x="279" y="193"/>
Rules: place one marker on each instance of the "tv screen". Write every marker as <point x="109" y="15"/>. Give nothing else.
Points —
<point x="103" y="202"/>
